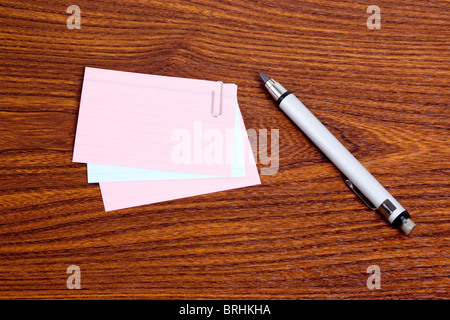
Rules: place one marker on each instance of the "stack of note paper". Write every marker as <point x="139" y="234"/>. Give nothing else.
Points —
<point x="148" y="138"/>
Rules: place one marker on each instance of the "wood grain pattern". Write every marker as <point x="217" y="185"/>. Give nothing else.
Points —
<point x="301" y="234"/>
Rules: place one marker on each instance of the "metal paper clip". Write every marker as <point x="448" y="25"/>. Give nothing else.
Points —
<point x="221" y="100"/>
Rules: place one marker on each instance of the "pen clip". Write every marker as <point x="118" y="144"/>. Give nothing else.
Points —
<point x="360" y="195"/>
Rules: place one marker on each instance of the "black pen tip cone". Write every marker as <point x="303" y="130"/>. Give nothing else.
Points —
<point x="264" y="77"/>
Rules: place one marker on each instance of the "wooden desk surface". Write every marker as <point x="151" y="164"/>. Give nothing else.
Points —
<point x="301" y="234"/>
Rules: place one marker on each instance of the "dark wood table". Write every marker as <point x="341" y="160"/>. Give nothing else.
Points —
<point x="301" y="234"/>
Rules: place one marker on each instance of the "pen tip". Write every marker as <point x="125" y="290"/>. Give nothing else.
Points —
<point x="264" y="77"/>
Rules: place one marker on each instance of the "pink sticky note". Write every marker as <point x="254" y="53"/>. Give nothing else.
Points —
<point x="137" y="120"/>
<point x="120" y="195"/>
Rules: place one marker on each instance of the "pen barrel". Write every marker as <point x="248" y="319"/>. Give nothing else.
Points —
<point x="340" y="156"/>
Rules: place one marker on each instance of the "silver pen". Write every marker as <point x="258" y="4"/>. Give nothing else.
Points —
<point x="359" y="180"/>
